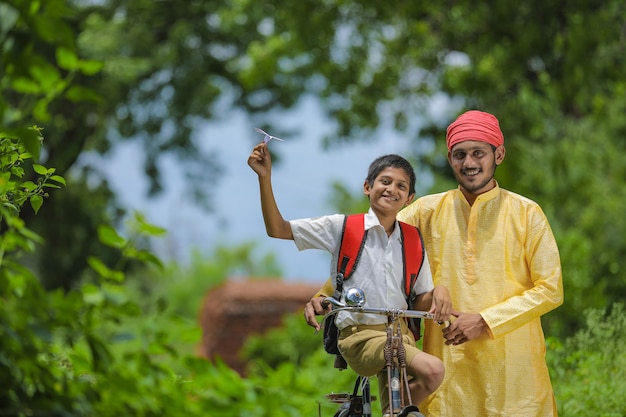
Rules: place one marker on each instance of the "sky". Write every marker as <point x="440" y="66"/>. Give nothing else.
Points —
<point x="301" y="185"/>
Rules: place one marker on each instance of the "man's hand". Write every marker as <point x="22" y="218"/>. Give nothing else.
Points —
<point x="314" y="308"/>
<point x="466" y="327"/>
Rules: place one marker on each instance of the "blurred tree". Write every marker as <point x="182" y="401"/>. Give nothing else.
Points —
<point x="552" y="72"/>
<point x="557" y="88"/>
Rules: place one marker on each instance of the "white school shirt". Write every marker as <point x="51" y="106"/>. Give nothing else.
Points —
<point x="380" y="271"/>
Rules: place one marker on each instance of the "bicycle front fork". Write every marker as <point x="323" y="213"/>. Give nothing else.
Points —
<point x="394" y="387"/>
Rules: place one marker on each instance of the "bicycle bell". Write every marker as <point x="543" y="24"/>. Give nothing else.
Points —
<point x="355" y="297"/>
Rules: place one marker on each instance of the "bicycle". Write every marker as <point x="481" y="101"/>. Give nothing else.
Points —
<point x="397" y="380"/>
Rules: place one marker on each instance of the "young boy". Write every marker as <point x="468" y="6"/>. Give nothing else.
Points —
<point x="390" y="185"/>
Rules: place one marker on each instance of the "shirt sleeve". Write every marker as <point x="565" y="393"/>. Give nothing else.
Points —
<point x="544" y="268"/>
<point x="317" y="233"/>
<point x="424" y="282"/>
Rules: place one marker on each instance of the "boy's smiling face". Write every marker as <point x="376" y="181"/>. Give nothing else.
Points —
<point x="389" y="192"/>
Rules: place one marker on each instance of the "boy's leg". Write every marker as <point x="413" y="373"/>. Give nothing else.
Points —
<point x="362" y="348"/>
<point x="427" y="373"/>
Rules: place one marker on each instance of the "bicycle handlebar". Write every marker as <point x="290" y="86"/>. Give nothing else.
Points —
<point x="392" y="312"/>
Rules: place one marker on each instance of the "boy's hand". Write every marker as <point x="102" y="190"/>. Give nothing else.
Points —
<point x="441" y="305"/>
<point x="260" y="160"/>
<point x="314" y="308"/>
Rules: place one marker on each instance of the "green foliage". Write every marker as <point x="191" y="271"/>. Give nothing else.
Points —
<point x="93" y="350"/>
<point x="295" y="349"/>
<point x="293" y="365"/>
<point x="99" y="350"/>
<point x="39" y="67"/>
<point x="39" y="60"/>
<point x="15" y="191"/>
<point x="93" y="73"/>
<point x="589" y="369"/>
<point x="560" y="103"/>
<point x="345" y="202"/>
<point x="111" y="70"/>
<point x="184" y="287"/>
<point x="581" y="164"/>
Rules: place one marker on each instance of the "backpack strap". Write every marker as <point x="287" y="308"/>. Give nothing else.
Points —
<point x="353" y="238"/>
<point x="412" y="255"/>
<point x="413" y="259"/>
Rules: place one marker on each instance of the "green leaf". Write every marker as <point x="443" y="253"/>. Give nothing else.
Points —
<point x="40" y="169"/>
<point x="146" y="256"/>
<point x="92" y="294"/>
<point x="26" y="86"/>
<point x="100" y="354"/>
<point x="30" y="138"/>
<point x="36" y="201"/>
<point x="143" y="226"/>
<point x="66" y="58"/>
<point x="90" y="67"/>
<point x="104" y="271"/>
<point x="78" y="93"/>
<point x="29" y="185"/>
<point x="98" y="266"/>
<point x="40" y="111"/>
<point x="58" y="179"/>
<point x="17" y="283"/>
<point x="110" y="237"/>
<point x="47" y="75"/>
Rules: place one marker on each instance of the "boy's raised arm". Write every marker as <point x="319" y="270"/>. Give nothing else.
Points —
<point x="261" y="162"/>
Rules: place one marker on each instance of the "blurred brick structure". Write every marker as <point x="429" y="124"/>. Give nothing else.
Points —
<point x="238" y="309"/>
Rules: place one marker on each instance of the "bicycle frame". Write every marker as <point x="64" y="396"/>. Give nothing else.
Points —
<point x="395" y="354"/>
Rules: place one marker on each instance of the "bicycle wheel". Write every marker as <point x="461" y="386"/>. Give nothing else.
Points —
<point x="343" y="411"/>
<point x="410" y="411"/>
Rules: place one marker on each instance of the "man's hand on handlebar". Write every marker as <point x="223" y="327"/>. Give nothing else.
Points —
<point x="314" y="308"/>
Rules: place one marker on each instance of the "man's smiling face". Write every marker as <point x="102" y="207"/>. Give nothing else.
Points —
<point x="474" y="164"/>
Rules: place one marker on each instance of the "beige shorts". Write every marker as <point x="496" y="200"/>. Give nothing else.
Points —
<point x="363" y="346"/>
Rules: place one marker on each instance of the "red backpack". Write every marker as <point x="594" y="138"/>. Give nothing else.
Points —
<point x="352" y="242"/>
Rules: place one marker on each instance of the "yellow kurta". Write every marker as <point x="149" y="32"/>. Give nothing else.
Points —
<point x="498" y="258"/>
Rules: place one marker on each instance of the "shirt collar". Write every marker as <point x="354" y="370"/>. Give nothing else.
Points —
<point x="484" y="197"/>
<point x="489" y="195"/>
<point x="371" y="220"/>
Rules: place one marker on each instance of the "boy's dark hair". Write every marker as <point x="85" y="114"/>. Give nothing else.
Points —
<point x="394" y="161"/>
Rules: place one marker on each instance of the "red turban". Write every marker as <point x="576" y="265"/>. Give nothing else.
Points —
<point x="475" y="125"/>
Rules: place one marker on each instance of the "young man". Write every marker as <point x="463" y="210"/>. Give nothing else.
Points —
<point x="495" y="251"/>
<point x="390" y="185"/>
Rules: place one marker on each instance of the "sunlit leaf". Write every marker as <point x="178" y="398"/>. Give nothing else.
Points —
<point x="66" y="58"/>
<point x="39" y="169"/>
<point x="36" y="201"/>
<point x="110" y="237"/>
<point x="58" y="179"/>
<point x="90" y="67"/>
